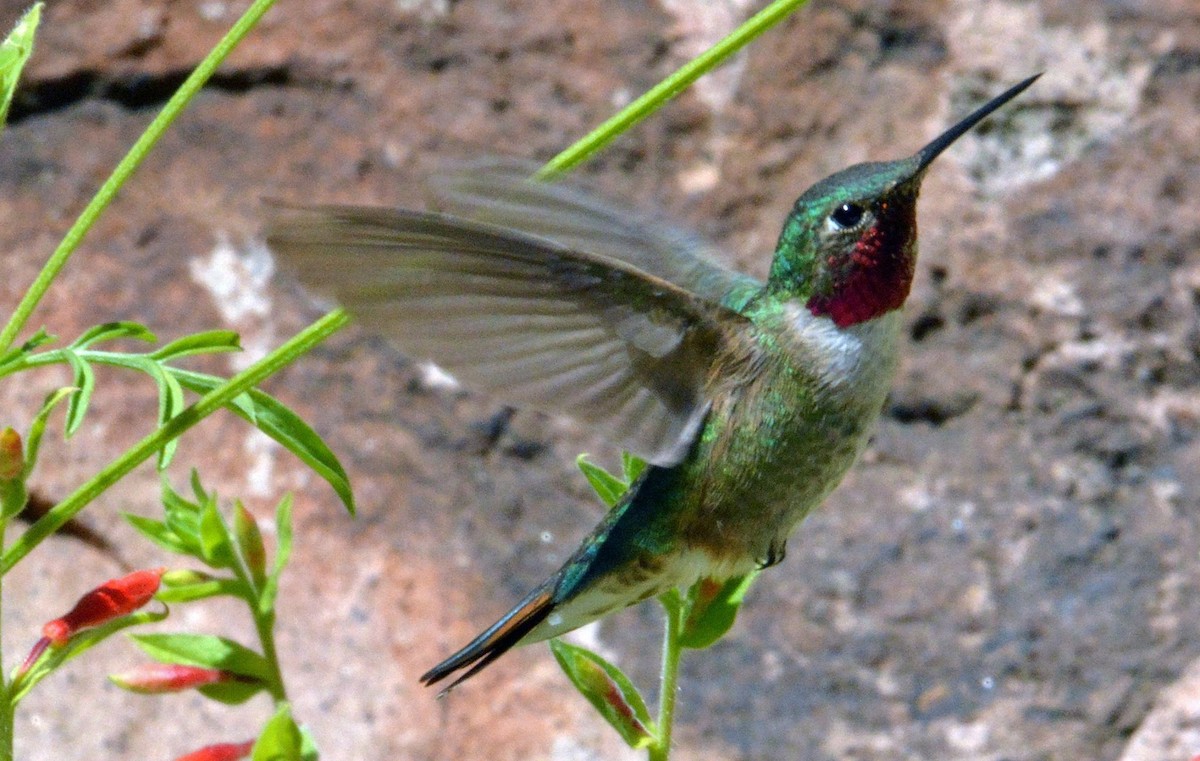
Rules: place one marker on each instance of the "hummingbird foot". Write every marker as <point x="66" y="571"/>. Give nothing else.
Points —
<point x="496" y="640"/>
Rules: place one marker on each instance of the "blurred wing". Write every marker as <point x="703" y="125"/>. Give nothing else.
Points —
<point x="532" y="321"/>
<point x="500" y="192"/>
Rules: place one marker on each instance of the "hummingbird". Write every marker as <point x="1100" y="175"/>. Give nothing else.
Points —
<point x="748" y="400"/>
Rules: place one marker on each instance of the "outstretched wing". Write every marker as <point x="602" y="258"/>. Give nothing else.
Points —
<point x="530" y="320"/>
<point x="501" y="192"/>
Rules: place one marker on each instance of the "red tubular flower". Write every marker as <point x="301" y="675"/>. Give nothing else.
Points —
<point x="154" y="678"/>
<point x="112" y="599"/>
<point x="220" y="752"/>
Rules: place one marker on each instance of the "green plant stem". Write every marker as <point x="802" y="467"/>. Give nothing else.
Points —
<point x="7" y="709"/>
<point x="676" y="610"/>
<point x="220" y="396"/>
<point x="265" y="624"/>
<point x="126" y="167"/>
<point x="653" y="99"/>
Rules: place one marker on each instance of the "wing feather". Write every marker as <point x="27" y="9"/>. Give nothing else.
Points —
<point x="530" y="320"/>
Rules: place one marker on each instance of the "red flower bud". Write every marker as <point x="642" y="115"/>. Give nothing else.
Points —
<point x="112" y="599"/>
<point x="153" y="678"/>
<point x="220" y="752"/>
<point x="12" y="455"/>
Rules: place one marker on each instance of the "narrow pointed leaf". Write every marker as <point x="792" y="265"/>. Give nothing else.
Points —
<point x="14" y="53"/>
<point x="233" y="693"/>
<point x="609" y="691"/>
<point x="202" y="590"/>
<point x="158" y="532"/>
<point x="204" y="650"/>
<point x="37" y="429"/>
<point x="216" y="541"/>
<point x="85" y="381"/>
<point x="712" y="610"/>
<point x="36" y="341"/>
<point x="183" y="518"/>
<point x="632" y="465"/>
<point x="208" y="342"/>
<point x="170" y="403"/>
<point x="276" y="420"/>
<point x="283" y="552"/>
<point x="110" y="331"/>
<point x="607" y="486"/>
<point x="198" y="491"/>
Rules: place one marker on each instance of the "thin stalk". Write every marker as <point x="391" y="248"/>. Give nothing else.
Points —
<point x="265" y="624"/>
<point x="656" y="96"/>
<point x="669" y="680"/>
<point x="126" y="167"/>
<point x="293" y="348"/>
<point x="7" y="709"/>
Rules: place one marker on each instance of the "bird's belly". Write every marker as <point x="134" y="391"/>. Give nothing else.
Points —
<point x="779" y="446"/>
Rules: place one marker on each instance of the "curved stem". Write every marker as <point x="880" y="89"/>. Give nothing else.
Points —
<point x="126" y="167"/>
<point x="7" y="709"/>
<point x="650" y="102"/>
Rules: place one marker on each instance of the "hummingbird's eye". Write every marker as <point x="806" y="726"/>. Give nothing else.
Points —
<point x="847" y="215"/>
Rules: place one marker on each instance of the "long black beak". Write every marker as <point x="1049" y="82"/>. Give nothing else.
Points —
<point x="943" y="141"/>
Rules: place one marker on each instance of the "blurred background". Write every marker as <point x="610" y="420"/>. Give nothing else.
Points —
<point x="1010" y="573"/>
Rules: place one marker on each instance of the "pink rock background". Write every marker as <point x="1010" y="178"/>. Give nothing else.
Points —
<point x="1012" y="571"/>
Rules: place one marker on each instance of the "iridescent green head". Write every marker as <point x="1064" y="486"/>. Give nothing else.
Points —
<point x="849" y="247"/>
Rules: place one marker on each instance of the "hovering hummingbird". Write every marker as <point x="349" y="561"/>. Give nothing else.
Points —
<point x="749" y="400"/>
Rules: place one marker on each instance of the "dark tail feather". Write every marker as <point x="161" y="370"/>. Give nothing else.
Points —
<point x="496" y="640"/>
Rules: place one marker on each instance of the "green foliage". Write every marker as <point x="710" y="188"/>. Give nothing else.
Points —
<point x="283" y="740"/>
<point x="269" y="415"/>
<point x="712" y="608"/>
<point x="14" y="54"/>
<point x="609" y="691"/>
<point x="236" y="557"/>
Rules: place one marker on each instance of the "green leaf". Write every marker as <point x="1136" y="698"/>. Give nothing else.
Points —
<point x="110" y="331"/>
<point x="85" y="382"/>
<point x="203" y="590"/>
<point x="712" y="609"/>
<point x="308" y="746"/>
<point x="281" y="739"/>
<point x="609" y="691"/>
<point x="274" y="418"/>
<point x="283" y="552"/>
<point x="183" y="518"/>
<point x="232" y="693"/>
<point x="204" y="650"/>
<point x="208" y="342"/>
<point x="632" y="465"/>
<point x="37" y="429"/>
<point x="158" y="532"/>
<point x="609" y="488"/>
<point x="216" y="541"/>
<point x="170" y="404"/>
<point x="36" y="341"/>
<point x="14" y="53"/>
<point x="202" y="495"/>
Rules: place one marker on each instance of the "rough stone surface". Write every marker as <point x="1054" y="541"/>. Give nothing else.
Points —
<point x="1010" y="574"/>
